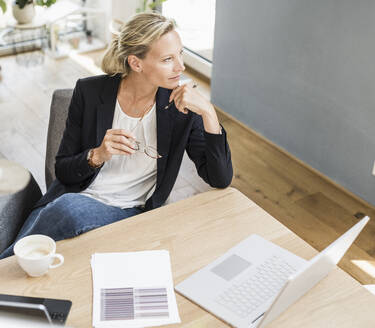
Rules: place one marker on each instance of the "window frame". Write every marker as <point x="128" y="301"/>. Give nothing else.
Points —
<point x="192" y="59"/>
<point x="197" y="62"/>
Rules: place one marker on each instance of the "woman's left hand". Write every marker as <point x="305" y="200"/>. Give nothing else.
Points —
<point x="186" y="97"/>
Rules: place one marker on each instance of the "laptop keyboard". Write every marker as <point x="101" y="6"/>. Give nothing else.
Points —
<point x="246" y="296"/>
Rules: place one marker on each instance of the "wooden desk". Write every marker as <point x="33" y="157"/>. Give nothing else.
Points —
<point x="195" y="231"/>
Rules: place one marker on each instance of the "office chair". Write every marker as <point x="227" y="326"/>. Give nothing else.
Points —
<point x="16" y="207"/>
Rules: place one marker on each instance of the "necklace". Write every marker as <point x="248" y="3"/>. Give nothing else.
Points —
<point x="146" y="111"/>
<point x="143" y="115"/>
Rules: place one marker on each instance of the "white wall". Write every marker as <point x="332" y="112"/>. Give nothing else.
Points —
<point x="302" y="74"/>
<point x="124" y="9"/>
<point x="116" y="9"/>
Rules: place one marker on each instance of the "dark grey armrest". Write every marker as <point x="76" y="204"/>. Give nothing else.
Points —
<point x="14" y="210"/>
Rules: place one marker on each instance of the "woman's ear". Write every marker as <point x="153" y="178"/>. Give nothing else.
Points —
<point x="135" y="63"/>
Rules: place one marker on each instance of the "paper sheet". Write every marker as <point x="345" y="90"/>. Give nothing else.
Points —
<point x="133" y="289"/>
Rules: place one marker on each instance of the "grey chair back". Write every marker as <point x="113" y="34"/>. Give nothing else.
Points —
<point x="58" y="114"/>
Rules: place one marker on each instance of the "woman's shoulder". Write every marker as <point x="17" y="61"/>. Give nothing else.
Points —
<point x="97" y="86"/>
<point x="98" y="79"/>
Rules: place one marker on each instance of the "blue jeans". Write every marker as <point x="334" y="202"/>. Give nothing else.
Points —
<point x="68" y="216"/>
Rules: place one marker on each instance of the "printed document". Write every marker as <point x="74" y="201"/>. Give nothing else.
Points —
<point x="133" y="289"/>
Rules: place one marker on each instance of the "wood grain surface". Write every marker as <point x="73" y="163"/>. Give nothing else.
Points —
<point x="195" y="231"/>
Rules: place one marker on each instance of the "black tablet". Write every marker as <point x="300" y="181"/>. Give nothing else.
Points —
<point x="43" y="310"/>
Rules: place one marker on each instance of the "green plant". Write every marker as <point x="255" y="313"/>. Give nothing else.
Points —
<point x="152" y="5"/>
<point x="46" y="3"/>
<point x="3" y="5"/>
<point x="23" y="3"/>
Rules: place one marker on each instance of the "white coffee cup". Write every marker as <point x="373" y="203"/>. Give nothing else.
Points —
<point x="36" y="253"/>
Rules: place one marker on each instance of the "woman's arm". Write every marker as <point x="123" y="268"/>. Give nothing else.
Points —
<point x="210" y="154"/>
<point x="71" y="165"/>
<point x="207" y="144"/>
<point x="210" y="121"/>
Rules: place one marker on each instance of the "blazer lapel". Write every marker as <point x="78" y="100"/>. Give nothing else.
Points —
<point x="164" y="127"/>
<point x="106" y="109"/>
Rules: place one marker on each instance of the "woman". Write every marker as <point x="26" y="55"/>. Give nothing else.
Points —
<point x="126" y="134"/>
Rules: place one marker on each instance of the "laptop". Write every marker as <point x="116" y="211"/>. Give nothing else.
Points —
<point x="255" y="281"/>
<point x="33" y="310"/>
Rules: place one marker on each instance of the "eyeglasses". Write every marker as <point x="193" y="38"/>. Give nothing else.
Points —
<point x="150" y="151"/>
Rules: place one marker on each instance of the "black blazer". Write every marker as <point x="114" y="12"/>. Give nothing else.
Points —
<point x="91" y="114"/>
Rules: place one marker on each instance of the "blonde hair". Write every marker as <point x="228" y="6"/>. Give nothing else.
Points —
<point x="135" y="38"/>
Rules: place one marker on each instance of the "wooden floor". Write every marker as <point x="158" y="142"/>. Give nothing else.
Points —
<point x="302" y="199"/>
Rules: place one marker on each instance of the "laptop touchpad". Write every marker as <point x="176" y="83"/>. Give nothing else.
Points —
<point x="231" y="267"/>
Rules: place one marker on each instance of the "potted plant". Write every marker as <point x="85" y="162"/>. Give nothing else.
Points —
<point x="24" y="11"/>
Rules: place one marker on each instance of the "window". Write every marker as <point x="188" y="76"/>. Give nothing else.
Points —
<point x="196" y="22"/>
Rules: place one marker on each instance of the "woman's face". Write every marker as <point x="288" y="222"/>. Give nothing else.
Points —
<point x="163" y="64"/>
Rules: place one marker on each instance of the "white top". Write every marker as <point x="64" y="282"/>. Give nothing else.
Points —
<point x="128" y="180"/>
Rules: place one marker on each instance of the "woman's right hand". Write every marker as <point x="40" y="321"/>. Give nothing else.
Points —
<point x="115" y="142"/>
